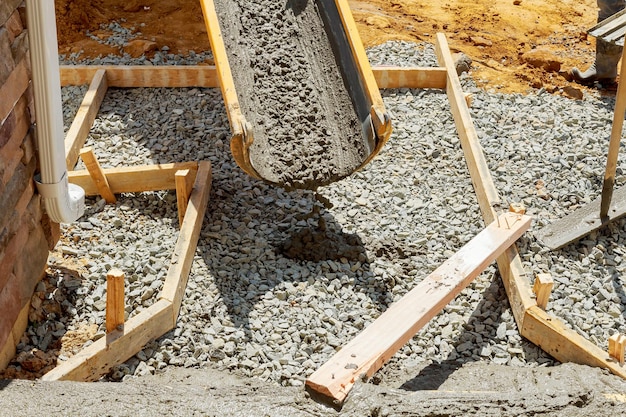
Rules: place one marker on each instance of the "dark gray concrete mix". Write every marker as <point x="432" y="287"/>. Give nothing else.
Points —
<point x="290" y="88"/>
<point x="478" y="388"/>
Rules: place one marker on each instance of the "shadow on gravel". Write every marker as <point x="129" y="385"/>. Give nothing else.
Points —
<point x="4" y="383"/>
<point x="480" y="331"/>
<point x="305" y="248"/>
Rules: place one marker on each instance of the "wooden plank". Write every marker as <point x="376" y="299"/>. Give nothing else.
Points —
<point x="127" y="76"/>
<point x="133" y="179"/>
<point x="402" y="77"/>
<point x="97" y="175"/>
<point x="97" y="359"/>
<point x="79" y="130"/>
<point x="206" y="76"/>
<point x="542" y="289"/>
<point x="515" y="281"/>
<point x="184" y="184"/>
<point x="564" y="344"/>
<point x="375" y="345"/>
<point x="178" y="272"/>
<point x="115" y="301"/>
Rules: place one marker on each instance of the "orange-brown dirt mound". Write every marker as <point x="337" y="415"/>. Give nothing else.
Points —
<point x="497" y="35"/>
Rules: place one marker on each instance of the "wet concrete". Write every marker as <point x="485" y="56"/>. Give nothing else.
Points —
<point x="307" y="132"/>
<point x="473" y="389"/>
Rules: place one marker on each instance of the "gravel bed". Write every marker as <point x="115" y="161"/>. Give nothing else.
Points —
<point x="251" y="309"/>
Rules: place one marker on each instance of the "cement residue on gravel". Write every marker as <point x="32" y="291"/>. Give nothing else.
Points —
<point x="290" y="88"/>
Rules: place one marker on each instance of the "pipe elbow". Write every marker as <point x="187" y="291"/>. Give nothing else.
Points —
<point x="64" y="202"/>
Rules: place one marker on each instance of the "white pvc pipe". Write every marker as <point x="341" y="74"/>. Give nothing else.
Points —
<point x="64" y="202"/>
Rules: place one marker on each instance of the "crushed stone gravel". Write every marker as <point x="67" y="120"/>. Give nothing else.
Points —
<point x="254" y="311"/>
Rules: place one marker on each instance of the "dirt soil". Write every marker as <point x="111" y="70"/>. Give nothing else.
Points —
<point x="503" y="38"/>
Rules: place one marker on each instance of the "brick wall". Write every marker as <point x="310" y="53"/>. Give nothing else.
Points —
<point x="26" y="234"/>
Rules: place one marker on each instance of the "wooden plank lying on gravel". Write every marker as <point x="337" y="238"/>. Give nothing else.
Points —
<point x="375" y="345"/>
<point x="77" y="134"/>
<point x="120" y="345"/>
<point x="134" y="179"/>
<point x="206" y="76"/>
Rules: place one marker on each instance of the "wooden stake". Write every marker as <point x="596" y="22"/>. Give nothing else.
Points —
<point x="617" y="343"/>
<point x="184" y="184"/>
<point x="375" y="345"/>
<point x="542" y="289"/>
<point x="115" y="300"/>
<point x="97" y="174"/>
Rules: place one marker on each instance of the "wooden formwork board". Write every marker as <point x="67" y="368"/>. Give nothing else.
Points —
<point x="206" y="76"/>
<point x="515" y="279"/>
<point x="121" y="344"/>
<point x="79" y="130"/>
<point x="134" y="179"/>
<point x="176" y="278"/>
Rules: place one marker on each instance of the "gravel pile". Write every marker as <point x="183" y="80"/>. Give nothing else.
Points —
<point x="252" y="309"/>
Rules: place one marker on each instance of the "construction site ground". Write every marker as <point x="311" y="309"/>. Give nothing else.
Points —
<point x="501" y="38"/>
<point x="515" y="45"/>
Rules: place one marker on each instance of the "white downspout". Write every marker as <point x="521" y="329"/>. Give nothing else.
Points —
<point x="64" y="202"/>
